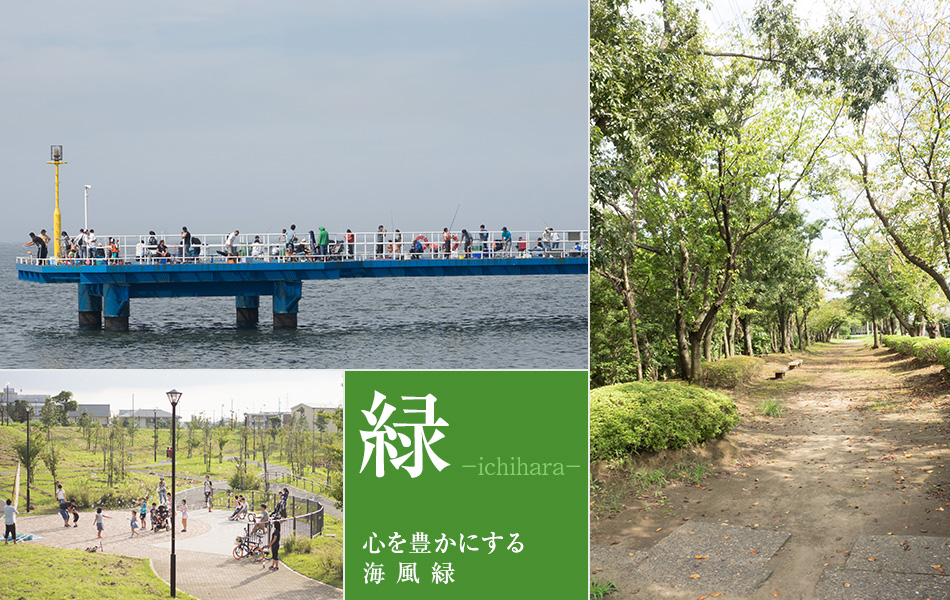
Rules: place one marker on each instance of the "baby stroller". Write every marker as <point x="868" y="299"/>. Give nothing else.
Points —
<point x="160" y="522"/>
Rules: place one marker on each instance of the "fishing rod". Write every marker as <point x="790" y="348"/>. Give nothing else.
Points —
<point x="455" y="215"/>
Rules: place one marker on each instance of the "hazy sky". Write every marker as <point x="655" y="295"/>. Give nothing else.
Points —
<point x="231" y="114"/>
<point x="202" y="390"/>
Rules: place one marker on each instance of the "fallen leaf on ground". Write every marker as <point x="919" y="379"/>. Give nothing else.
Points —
<point x="694" y="576"/>
<point x="701" y="557"/>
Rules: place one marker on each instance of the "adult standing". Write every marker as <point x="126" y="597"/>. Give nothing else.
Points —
<point x="555" y="241"/>
<point x="37" y="241"/>
<point x="186" y="242"/>
<point x="350" y="238"/>
<point x="483" y="238"/>
<point x="45" y="237"/>
<point x="63" y="506"/>
<point x="162" y="497"/>
<point x="290" y="237"/>
<point x="64" y="243"/>
<point x="446" y="242"/>
<point x="9" y="519"/>
<point x="380" y="239"/>
<point x="466" y="243"/>
<point x="323" y="240"/>
<point x="274" y="544"/>
<point x="92" y="243"/>
<point x="546" y="241"/>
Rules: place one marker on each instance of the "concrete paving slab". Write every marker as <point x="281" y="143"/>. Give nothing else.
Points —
<point x="901" y="554"/>
<point x="850" y="584"/>
<point x="615" y="558"/>
<point x="713" y="557"/>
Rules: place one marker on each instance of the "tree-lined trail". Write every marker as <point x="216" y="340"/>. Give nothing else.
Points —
<point x="855" y="473"/>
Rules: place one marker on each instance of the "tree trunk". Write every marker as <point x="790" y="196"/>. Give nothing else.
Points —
<point x="730" y="336"/>
<point x="707" y="345"/>
<point x="696" y="356"/>
<point x="747" y="335"/>
<point x="683" y="348"/>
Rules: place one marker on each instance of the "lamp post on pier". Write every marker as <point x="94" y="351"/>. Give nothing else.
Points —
<point x="85" y="205"/>
<point x="56" y="159"/>
<point x="173" y="397"/>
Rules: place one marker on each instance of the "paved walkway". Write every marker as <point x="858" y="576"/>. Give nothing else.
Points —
<point x="205" y="567"/>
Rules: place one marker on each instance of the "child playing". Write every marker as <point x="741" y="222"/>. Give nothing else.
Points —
<point x="142" y="510"/>
<point x="184" y="516"/>
<point x="99" y="526"/>
<point x="75" y="510"/>
<point x="135" y="524"/>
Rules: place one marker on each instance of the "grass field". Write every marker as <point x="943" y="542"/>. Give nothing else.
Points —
<point x="320" y="558"/>
<point x="33" y="571"/>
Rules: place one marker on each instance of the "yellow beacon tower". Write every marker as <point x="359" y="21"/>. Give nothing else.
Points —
<point x="56" y="159"/>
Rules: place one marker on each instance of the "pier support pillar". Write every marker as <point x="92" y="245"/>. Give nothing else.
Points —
<point x="115" y="300"/>
<point x="247" y="310"/>
<point x="286" y="297"/>
<point x="90" y="306"/>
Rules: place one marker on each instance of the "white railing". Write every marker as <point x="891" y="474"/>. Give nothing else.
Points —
<point x="273" y="247"/>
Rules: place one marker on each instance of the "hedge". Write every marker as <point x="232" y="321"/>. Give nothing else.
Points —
<point x="731" y="372"/>
<point x="648" y="417"/>
<point x="924" y="348"/>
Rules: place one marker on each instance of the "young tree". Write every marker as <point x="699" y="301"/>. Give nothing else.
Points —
<point x="29" y="460"/>
<point x="221" y="437"/>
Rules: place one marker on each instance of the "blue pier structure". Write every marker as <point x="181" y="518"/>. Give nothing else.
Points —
<point x="109" y="278"/>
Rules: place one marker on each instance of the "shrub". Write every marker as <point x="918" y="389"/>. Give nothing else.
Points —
<point x="647" y="416"/>
<point x="943" y="353"/>
<point x="731" y="372"/>
<point x="925" y="349"/>
<point x="240" y="481"/>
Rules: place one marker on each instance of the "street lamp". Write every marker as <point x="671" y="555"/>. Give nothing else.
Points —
<point x="173" y="397"/>
<point x="155" y="433"/>
<point x="29" y="461"/>
<point x="85" y="205"/>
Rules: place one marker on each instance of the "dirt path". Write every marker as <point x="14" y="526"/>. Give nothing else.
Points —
<point x="845" y="496"/>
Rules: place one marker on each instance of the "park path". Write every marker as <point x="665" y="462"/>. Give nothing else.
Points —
<point x="847" y="496"/>
<point x="205" y="567"/>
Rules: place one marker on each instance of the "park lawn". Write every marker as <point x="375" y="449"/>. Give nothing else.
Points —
<point x="33" y="571"/>
<point x="320" y="558"/>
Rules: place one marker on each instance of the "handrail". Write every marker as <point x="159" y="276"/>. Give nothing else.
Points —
<point x="359" y="246"/>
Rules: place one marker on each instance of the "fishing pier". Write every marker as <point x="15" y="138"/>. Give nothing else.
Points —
<point x="248" y="266"/>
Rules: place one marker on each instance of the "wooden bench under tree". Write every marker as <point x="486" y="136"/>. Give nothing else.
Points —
<point x="795" y="363"/>
<point x="780" y="373"/>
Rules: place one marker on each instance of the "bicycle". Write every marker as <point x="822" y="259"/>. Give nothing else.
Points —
<point x="246" y="547"/>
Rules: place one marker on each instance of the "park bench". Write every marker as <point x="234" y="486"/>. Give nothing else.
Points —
<point x="795" y="363"/>
<point x="780" y="373"/>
